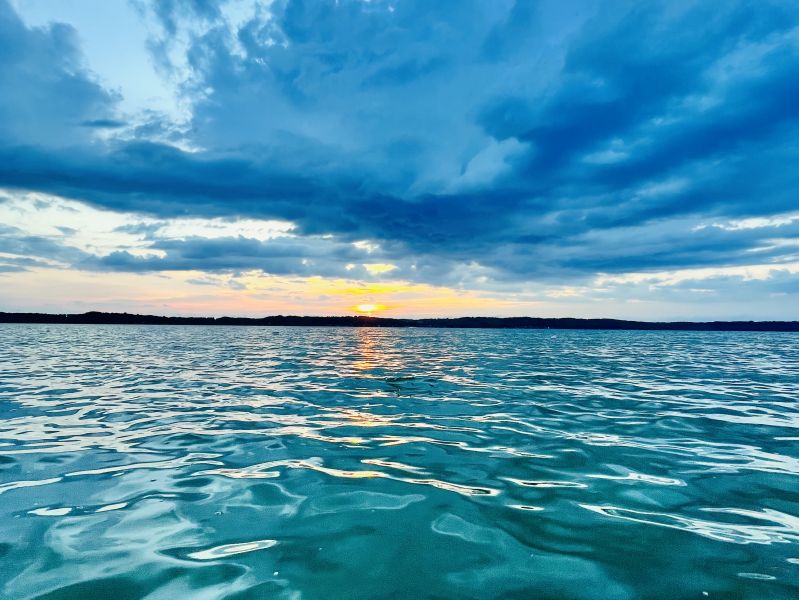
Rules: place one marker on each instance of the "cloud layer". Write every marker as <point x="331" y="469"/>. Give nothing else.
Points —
<point x="483" y="144"/>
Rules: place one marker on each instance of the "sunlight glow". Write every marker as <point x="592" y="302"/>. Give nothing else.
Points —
<point x="368" y="309"/>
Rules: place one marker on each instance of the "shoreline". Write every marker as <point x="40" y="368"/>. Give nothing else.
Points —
<point x="564" y="323"/>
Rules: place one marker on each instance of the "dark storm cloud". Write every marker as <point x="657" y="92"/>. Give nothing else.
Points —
<point x="282" y="256"/>
<point x="537" y="140"/>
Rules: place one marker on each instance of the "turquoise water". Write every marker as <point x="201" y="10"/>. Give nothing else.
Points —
<point x="199" y="462"/>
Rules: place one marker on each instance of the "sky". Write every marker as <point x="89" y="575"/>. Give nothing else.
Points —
<point x="545" y="158"/>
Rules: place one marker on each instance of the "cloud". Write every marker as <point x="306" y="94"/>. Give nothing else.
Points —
<point x="48" y="93"/>
<point x="285" y="256"/>
<point x="21" y="249"/>
<point x="104" y="123"/>
<point x="502" y="140"/>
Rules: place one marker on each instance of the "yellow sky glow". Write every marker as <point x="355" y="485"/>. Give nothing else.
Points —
<point x="248" y="294"/>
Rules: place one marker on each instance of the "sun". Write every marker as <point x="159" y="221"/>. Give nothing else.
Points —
<point x="368" y="309"/>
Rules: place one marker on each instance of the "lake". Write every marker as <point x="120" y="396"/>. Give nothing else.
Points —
<point x="244" y="462"/>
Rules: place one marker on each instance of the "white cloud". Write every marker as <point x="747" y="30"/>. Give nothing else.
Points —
<point x="757" y="222"/>
<point x="668" y="278"/>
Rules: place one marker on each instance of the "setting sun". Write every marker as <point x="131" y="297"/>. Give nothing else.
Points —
<point x="368" y="309"/>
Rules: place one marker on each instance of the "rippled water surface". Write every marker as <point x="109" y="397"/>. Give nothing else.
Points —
<point x="202" y="462"/>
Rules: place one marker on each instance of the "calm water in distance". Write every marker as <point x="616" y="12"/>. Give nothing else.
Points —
<point x="317" y="463"/>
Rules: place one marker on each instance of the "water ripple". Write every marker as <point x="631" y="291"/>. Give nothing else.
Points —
<point x="150" y="462"/>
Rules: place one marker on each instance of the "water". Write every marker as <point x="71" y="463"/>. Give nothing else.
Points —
<point x="171" y="462"/>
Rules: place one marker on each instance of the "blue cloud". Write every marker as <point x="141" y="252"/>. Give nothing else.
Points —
<point x="625" y="126"/>
<point x="286" y="256"/>
<point x="23" y="250"/>
<point x="48" y="95"/>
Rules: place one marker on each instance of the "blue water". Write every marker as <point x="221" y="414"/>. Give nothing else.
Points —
<point x="201" y="462"/>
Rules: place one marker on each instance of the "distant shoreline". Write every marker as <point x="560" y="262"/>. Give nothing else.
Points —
<point x="101" y="318"/>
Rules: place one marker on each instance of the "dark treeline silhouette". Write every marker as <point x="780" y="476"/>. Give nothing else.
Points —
<point x="96" y="318"/>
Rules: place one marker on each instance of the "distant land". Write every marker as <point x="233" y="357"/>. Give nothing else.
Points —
<point x="102" y="318"/>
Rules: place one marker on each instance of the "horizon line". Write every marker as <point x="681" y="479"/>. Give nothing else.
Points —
<point x="464" y="322"/>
